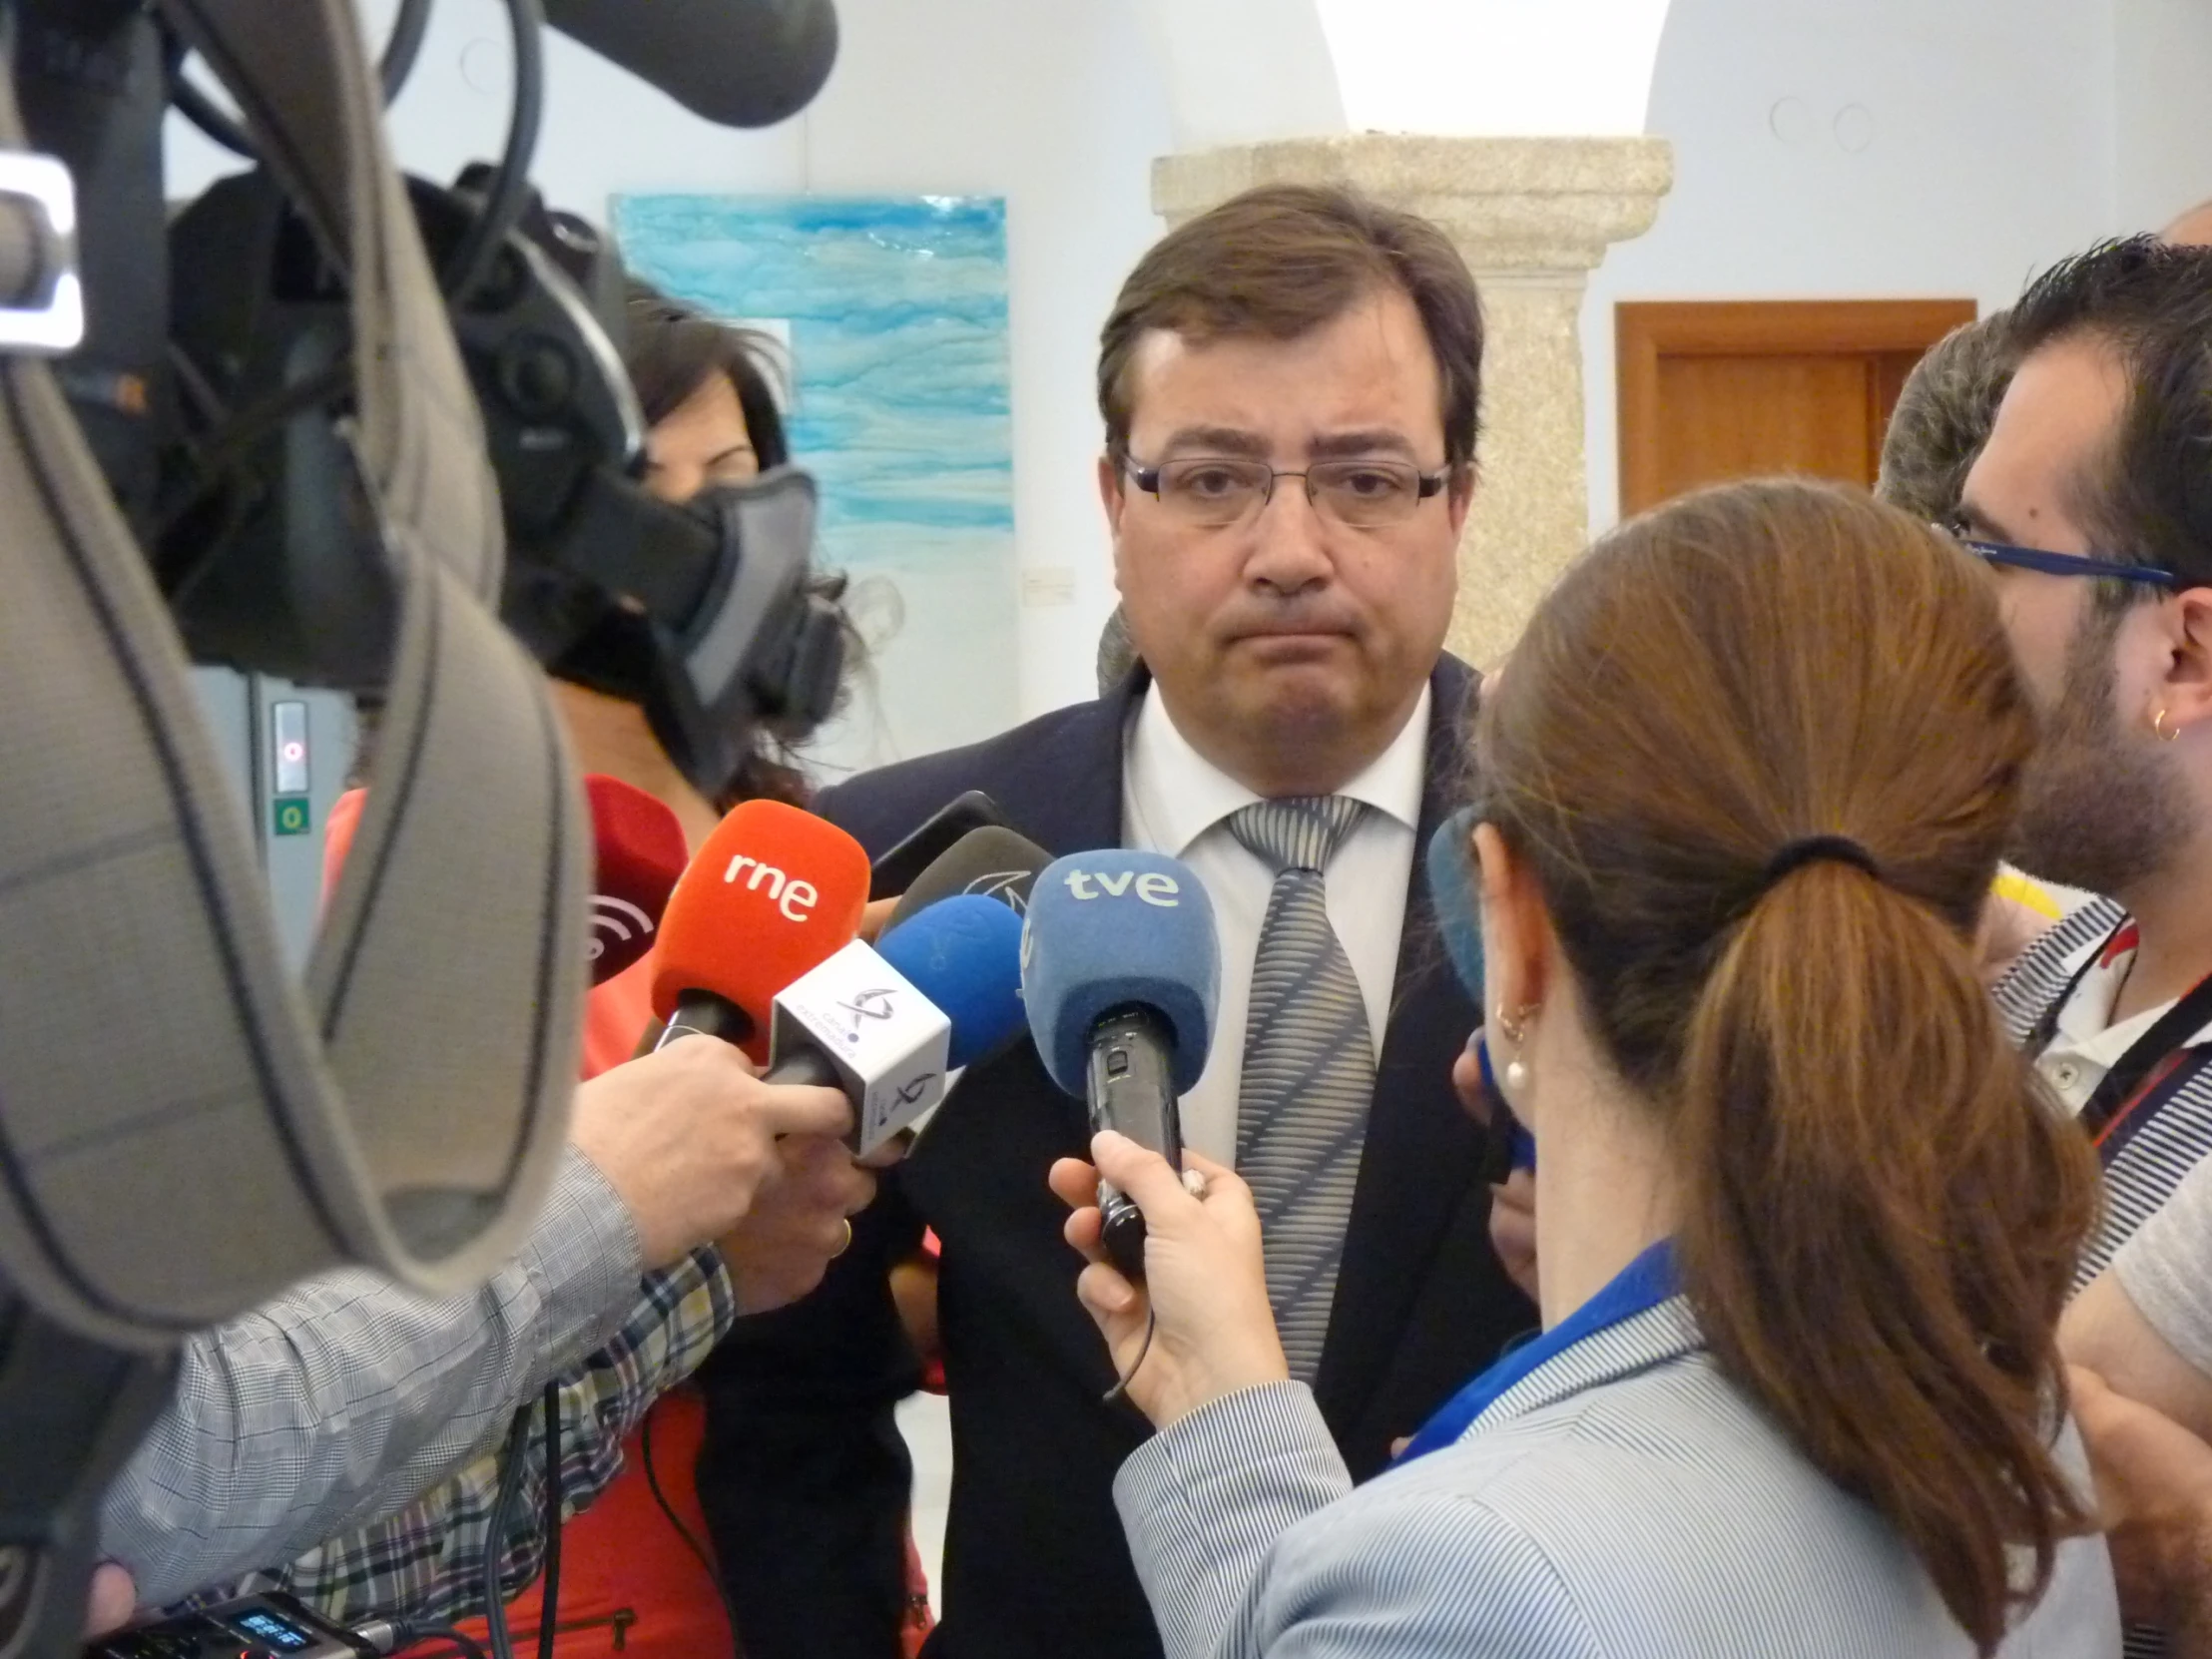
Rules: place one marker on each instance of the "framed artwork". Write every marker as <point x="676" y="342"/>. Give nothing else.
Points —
<point x="891" y="311"/>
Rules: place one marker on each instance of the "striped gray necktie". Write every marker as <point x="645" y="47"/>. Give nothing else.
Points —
<point x="1308" y="1069"/>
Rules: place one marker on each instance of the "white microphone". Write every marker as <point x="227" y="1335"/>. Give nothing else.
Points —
<point x="857" y="1023"/>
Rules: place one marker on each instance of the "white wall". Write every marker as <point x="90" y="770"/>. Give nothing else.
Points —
<point x="1244" y="71"/>
<point x="1059" y="107"/>
<point x="2162" y="147"/>
<point x="1881" y="148"/>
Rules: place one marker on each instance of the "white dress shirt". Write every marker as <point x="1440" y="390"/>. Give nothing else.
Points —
<point x="1176" y="802"/>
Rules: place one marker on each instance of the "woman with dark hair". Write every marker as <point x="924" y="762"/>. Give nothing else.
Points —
<point x="637" y="1578"/>
<point x="713" y="417"/>
<point x="688" y="371"/>
<point x="1807" y="1219"/>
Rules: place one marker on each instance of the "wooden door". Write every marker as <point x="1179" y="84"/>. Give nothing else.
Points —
<point x="1714" y="390"/>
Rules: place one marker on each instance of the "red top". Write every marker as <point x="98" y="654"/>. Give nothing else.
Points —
<point x="629" y="1582"/>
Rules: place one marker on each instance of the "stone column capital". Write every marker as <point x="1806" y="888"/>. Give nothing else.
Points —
<point x="1509" y="204"/>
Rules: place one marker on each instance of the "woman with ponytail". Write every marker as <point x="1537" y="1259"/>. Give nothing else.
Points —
<point x="1806" y="1222"/>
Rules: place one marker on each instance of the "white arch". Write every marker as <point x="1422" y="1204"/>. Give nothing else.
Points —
<point x="1244" y="71"/>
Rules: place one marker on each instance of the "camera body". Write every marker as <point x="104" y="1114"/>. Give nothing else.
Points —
<point x="698" y="612"/>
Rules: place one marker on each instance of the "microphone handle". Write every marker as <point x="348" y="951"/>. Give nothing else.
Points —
<point x="704" y="1014"/>
<point x="1131" y="1089"/>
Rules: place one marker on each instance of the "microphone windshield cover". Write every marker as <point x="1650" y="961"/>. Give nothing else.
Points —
<point x="964" y="956"/>
<point x="1452" y="897"/>
<point x="775" y="891"/>
<point x="742" y="63"/>
<point x="993" y="863"/>
<point x="638" y="854"/>
<point x="1119" y="930"/>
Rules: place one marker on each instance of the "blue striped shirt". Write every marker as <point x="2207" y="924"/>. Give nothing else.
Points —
<point x="1623" y="1499"/>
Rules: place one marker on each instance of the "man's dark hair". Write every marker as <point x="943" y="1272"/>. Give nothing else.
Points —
<point x="673" y="350"/>
<point x="2149" y="499"/>
<point x="1281" y="260"/>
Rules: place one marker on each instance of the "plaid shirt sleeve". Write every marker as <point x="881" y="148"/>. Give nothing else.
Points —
<point x="345" y="1397"/>
<point x="428" y="1562"/>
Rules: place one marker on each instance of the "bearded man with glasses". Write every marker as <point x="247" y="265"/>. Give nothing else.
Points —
<point x="1289" y="388"/>
<point x="2092" y="504"/>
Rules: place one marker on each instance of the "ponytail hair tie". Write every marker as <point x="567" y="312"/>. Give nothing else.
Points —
<point x="1813" y="850"/>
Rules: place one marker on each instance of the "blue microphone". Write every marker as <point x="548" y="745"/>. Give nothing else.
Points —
<point x="965" y="954"/>
<point x="1451" y="895"/>
<point x="1120" y="970"/>
<point x="1458" y="912"/>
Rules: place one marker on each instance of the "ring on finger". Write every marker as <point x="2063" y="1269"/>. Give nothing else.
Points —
<point x="845" y="1242"/>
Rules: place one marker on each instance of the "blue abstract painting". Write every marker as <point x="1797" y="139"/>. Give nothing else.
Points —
<point x="893" y="309"/>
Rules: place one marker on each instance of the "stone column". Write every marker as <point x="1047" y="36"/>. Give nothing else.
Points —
<point x="1532" y="217"/>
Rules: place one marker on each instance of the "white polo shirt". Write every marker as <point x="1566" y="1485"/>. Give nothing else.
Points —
<point x="2083" y="1045"/>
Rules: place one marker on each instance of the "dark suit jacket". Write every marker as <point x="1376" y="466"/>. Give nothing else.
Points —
<point x="800" y="1482"/>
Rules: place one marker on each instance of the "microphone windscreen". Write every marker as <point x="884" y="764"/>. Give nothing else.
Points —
<point x="773" y="892"/>
<point x="638" y="854"/>
<point x="1452" y="897"/>
<point x="1119" y="930"/>
<point x="743" y="63"/>
<point x="993" y="863"/>
<point x="964" y="956"/>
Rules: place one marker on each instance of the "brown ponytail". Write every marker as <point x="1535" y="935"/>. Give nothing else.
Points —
<point x="1880" y="1213"/>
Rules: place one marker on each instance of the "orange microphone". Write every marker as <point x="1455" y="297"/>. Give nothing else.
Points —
<point x="774" y="893"/>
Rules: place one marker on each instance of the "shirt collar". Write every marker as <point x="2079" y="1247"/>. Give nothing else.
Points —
<point x="1653" y="1336"/>
<point x="1581" y="1348"/>
<point x="2082" y="1027"/>
<point x="1178" y="795"/>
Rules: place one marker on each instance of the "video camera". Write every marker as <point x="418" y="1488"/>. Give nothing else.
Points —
<point x="260" y="575"/>
<point x="258" y="570"/>
<point x="362" y="432"/>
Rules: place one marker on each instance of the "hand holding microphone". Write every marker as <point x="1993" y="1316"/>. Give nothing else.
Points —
<point x="688" y="1138"/>
<point x="1198" y="1328"/>
<point x="800" y="1224"/>
<point x="691" y="1137"/>
<point x="963" y="961"/>
<point x="1120" y="970"/>
<point x="757" y="948"/>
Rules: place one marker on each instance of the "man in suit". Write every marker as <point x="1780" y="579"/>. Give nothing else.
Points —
<point x="1289" y="386"/>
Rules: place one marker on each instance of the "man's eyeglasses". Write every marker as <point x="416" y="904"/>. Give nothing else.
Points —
<point x="2058" y="564"/>
<point x="1215" y="492"/>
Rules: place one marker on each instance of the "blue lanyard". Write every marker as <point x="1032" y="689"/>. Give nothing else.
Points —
<point x="1637" y="1289"/>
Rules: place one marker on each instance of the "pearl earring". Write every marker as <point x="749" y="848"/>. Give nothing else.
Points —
<point x="1514" y="1029"/>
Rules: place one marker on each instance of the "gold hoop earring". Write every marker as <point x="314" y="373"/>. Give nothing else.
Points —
<point x="2158" y="724"/>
